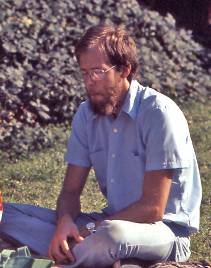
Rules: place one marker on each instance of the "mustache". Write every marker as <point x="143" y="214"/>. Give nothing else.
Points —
<point x="105" y="106"/>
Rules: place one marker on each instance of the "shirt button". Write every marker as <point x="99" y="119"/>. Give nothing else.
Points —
<point x="115" y="130"/>
<point x="113" y="155"/>
<point x="112" y="180"/>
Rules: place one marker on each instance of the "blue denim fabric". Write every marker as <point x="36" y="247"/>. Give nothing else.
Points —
<point x="34" y="226"/>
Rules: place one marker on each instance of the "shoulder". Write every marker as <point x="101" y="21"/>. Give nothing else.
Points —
<point x="157" y="111"/>
<point x="83" y="112"/>
<point x="149" y="98"/>
<point x="156" y="102"/>
<point x="153" y="99"/>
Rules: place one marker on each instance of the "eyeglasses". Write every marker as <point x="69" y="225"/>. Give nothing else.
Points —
<point x="96" y="74"/>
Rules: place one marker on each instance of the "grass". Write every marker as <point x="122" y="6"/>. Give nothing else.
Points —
<point x="199" y="119"/>
<point x="37" y="179"/>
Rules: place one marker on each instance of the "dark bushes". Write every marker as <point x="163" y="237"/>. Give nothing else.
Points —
<point x="39" y="77"/>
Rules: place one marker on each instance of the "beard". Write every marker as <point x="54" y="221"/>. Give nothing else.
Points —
<point x="107" y="105"/>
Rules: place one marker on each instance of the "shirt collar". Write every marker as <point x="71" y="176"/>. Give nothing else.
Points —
<point x="130" y="104"/>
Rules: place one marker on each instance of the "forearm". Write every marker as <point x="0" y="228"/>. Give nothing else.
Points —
<point x="68" y="203"/>
<point x="151" y="206"/>
<point x="68" y="209"/>
<point x="138" y="212"/>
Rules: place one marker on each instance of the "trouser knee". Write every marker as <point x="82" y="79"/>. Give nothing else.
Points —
<point x="99" y="248"/>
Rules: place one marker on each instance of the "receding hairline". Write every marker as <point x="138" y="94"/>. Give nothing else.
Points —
<point x="93" y="46"/>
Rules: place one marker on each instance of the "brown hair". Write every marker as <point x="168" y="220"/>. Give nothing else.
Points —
<point x="114" y="41"/>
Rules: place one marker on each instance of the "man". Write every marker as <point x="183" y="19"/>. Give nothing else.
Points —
<point x="138" y="143"/>
<point x="144" y="162"/>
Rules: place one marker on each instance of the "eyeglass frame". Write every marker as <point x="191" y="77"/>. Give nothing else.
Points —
<point x="91" y="73"/>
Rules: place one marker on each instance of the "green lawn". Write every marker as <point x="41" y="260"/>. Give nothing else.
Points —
<point x="37" y="179"/>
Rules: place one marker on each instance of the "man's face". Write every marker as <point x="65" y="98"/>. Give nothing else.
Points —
<point x="104" y="84"/>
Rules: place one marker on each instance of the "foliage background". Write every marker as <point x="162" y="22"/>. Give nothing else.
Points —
<point x="39" y="77"/>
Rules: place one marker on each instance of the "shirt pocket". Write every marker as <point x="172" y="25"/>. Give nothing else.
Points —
<point x="132" y="166"/>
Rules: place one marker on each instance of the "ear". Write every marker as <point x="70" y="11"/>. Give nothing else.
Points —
<point x="126" y="69"/>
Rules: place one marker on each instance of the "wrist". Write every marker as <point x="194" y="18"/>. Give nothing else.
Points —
<point x="65" y="216"/>
<point x="65" y="221"/>
<point x="83" y="231"/>
<point x="91" y="227"/>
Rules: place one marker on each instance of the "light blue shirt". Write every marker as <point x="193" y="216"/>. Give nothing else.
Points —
<point x="150" y="133"/>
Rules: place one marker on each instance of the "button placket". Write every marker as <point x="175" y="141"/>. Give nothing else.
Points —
<point x="112" y="154"/>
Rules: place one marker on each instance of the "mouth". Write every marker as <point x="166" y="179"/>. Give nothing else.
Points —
<point x="95" y="96"/>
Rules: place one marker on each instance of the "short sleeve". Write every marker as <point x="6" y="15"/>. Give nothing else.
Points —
<point x="77" y="148"/>
<point x="167" y="139"/>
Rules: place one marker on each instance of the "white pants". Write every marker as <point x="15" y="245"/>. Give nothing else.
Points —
<point x="34" y="226"/>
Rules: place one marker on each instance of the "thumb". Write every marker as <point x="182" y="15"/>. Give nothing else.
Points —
<point x="77" y="236"/>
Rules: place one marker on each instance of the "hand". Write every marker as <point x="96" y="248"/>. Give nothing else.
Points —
<point x="59" y="249"/>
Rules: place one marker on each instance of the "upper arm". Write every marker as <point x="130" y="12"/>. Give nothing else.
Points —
<point x="166" y="147"/>
<point x="75" y="178"/>
<point x="156" y="188"/>
<point x="78" y="147"/>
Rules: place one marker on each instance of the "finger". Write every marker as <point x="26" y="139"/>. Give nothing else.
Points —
<point x="79" y="238"/>
<point x="57" y="256"/>
<point x="60" y="258"/>
<point x="56" y="253"/>
<point x="66" y="250"/>
<point x="76" y="235"/>
<point x="50" y="255"/>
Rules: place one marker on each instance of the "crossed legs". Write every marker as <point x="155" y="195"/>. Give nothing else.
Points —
<point x="113" y="240"/>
